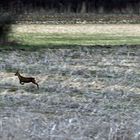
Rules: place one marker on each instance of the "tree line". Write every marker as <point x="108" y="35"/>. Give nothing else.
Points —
<point x="73" y="6"/>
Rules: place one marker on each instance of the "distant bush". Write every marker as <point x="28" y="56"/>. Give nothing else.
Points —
<point x="5" y="26"/>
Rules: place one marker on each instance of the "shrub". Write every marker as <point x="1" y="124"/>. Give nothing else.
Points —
<point x="5" y="26"/>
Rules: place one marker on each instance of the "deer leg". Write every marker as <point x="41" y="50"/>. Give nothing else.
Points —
<point x="34" y="82"/>
<point x="22" y="83"/>
<point x="37" y="85"/>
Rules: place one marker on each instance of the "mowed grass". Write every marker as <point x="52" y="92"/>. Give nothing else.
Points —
<point x="45" y="35"/>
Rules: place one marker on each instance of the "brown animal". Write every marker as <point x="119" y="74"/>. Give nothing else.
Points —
<point x="23" y="80"/>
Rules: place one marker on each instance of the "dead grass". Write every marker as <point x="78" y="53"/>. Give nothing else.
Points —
<point x="122" y="29"/>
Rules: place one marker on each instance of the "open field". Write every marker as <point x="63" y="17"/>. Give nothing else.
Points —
<point x="86" y="93"/>
<point x="88" y="34"/>
<point x="89" y="91"/>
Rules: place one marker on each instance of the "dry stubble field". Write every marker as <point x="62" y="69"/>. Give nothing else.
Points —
<point x="86" y="92"/>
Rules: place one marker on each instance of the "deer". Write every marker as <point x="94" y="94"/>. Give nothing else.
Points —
<point x="23" y="80"/>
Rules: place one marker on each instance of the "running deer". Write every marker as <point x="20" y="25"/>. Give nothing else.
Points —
<point x="23" y="80"/>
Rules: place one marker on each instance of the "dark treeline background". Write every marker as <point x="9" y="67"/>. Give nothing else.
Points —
<point x="72" y="6"/>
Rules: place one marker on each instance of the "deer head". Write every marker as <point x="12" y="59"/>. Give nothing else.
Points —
<point x="17" y="73"/>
